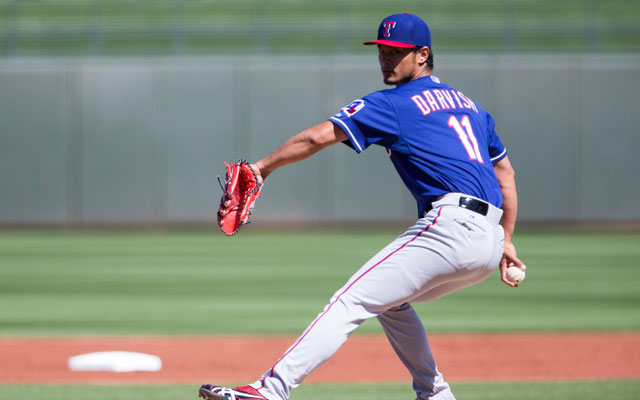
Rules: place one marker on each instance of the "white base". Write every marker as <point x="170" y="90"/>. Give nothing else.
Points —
<point x="115" y="361"/>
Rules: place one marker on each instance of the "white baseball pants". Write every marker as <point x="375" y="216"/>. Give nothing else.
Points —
<point x="449" y="249"/>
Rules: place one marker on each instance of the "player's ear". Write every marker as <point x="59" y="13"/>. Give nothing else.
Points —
<point x="422" y="54"/>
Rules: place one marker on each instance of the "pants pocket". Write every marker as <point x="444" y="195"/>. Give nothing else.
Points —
<point x="471" y="226"/>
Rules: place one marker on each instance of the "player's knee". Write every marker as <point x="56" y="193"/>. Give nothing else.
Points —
<point x="401" y="308"/>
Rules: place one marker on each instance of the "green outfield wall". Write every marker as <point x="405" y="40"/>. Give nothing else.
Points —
<point x="140" y="141"/>
<point x="198" y="27"/>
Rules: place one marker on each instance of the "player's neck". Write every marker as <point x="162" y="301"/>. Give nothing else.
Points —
<point x="420" y="74"/>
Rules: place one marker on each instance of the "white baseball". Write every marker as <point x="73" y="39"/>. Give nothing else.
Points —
<point x="515" y="274"/>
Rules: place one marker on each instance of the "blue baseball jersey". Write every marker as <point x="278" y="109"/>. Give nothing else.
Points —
<point x="438" y="139"/>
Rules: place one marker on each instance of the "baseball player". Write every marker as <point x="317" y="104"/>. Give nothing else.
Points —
<point x="445" y="148"/>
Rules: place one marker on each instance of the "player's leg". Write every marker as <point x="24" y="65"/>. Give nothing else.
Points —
<point x="377" y="286"/>
<point x="479" y="251"/>
<point x="417" y="262"/>
<point x="347" y="309"/>
<point x="408" y="338"/>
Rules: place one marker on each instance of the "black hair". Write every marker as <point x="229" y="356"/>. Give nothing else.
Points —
<point x="429" y="58"/>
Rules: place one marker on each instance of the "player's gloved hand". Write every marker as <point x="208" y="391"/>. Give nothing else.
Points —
<point x="242" y="187"/>
<point x="509" y="259"/>
<point x="258" y="172"/>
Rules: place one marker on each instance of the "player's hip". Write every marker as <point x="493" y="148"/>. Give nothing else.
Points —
<point x="462" y="236"/>
<point x="466" y="204"/>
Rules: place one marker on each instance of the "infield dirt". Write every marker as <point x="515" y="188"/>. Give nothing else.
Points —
<point x="363" y="358"/>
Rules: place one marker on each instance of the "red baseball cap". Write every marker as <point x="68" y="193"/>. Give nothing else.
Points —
<point x="403" y="30"/>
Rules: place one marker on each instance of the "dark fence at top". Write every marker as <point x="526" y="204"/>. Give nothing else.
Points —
<point x="197" y="27"/>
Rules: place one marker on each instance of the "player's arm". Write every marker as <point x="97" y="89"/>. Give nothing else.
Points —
<point x="506" y="177"/>
<point x="301" y="146"/>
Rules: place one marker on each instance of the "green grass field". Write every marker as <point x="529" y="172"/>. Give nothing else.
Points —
<point x="67" y="283"/>
<point x="263" y="282"/>
<point x="609" y="390"/>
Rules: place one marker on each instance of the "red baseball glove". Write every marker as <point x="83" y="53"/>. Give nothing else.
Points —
<point x="241" y="190"/>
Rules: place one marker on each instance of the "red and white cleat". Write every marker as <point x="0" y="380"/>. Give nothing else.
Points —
<point x="213" y="392"/>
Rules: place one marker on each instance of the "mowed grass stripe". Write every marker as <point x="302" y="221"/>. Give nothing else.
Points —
<point x="582" y="390"/>
<point x="275" y="282"/>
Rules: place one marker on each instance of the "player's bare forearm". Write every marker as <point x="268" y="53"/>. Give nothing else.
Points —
<point x="301" y="146"/>
<point x="506" y="177"/>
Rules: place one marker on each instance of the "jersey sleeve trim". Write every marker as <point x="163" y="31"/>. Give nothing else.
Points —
<point x="346" y="129"/>
<point x="499" y="156"/>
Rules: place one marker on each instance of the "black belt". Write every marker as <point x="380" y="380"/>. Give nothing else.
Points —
<point x="475" y="205"/>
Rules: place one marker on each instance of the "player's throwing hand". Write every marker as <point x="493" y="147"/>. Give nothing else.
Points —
<point x="509" y="259"/>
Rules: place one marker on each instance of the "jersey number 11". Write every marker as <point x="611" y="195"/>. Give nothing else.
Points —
<point x="466" y="136"/>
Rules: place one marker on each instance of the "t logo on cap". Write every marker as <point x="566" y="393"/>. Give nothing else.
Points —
<point x="403" y="30"/>
<point x="387" y="27"/>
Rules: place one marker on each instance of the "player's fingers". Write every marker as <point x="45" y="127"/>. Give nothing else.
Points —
<point x="508" y="282"/>
<point x="515" y="261"/>
<point x="504" y="264"/>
